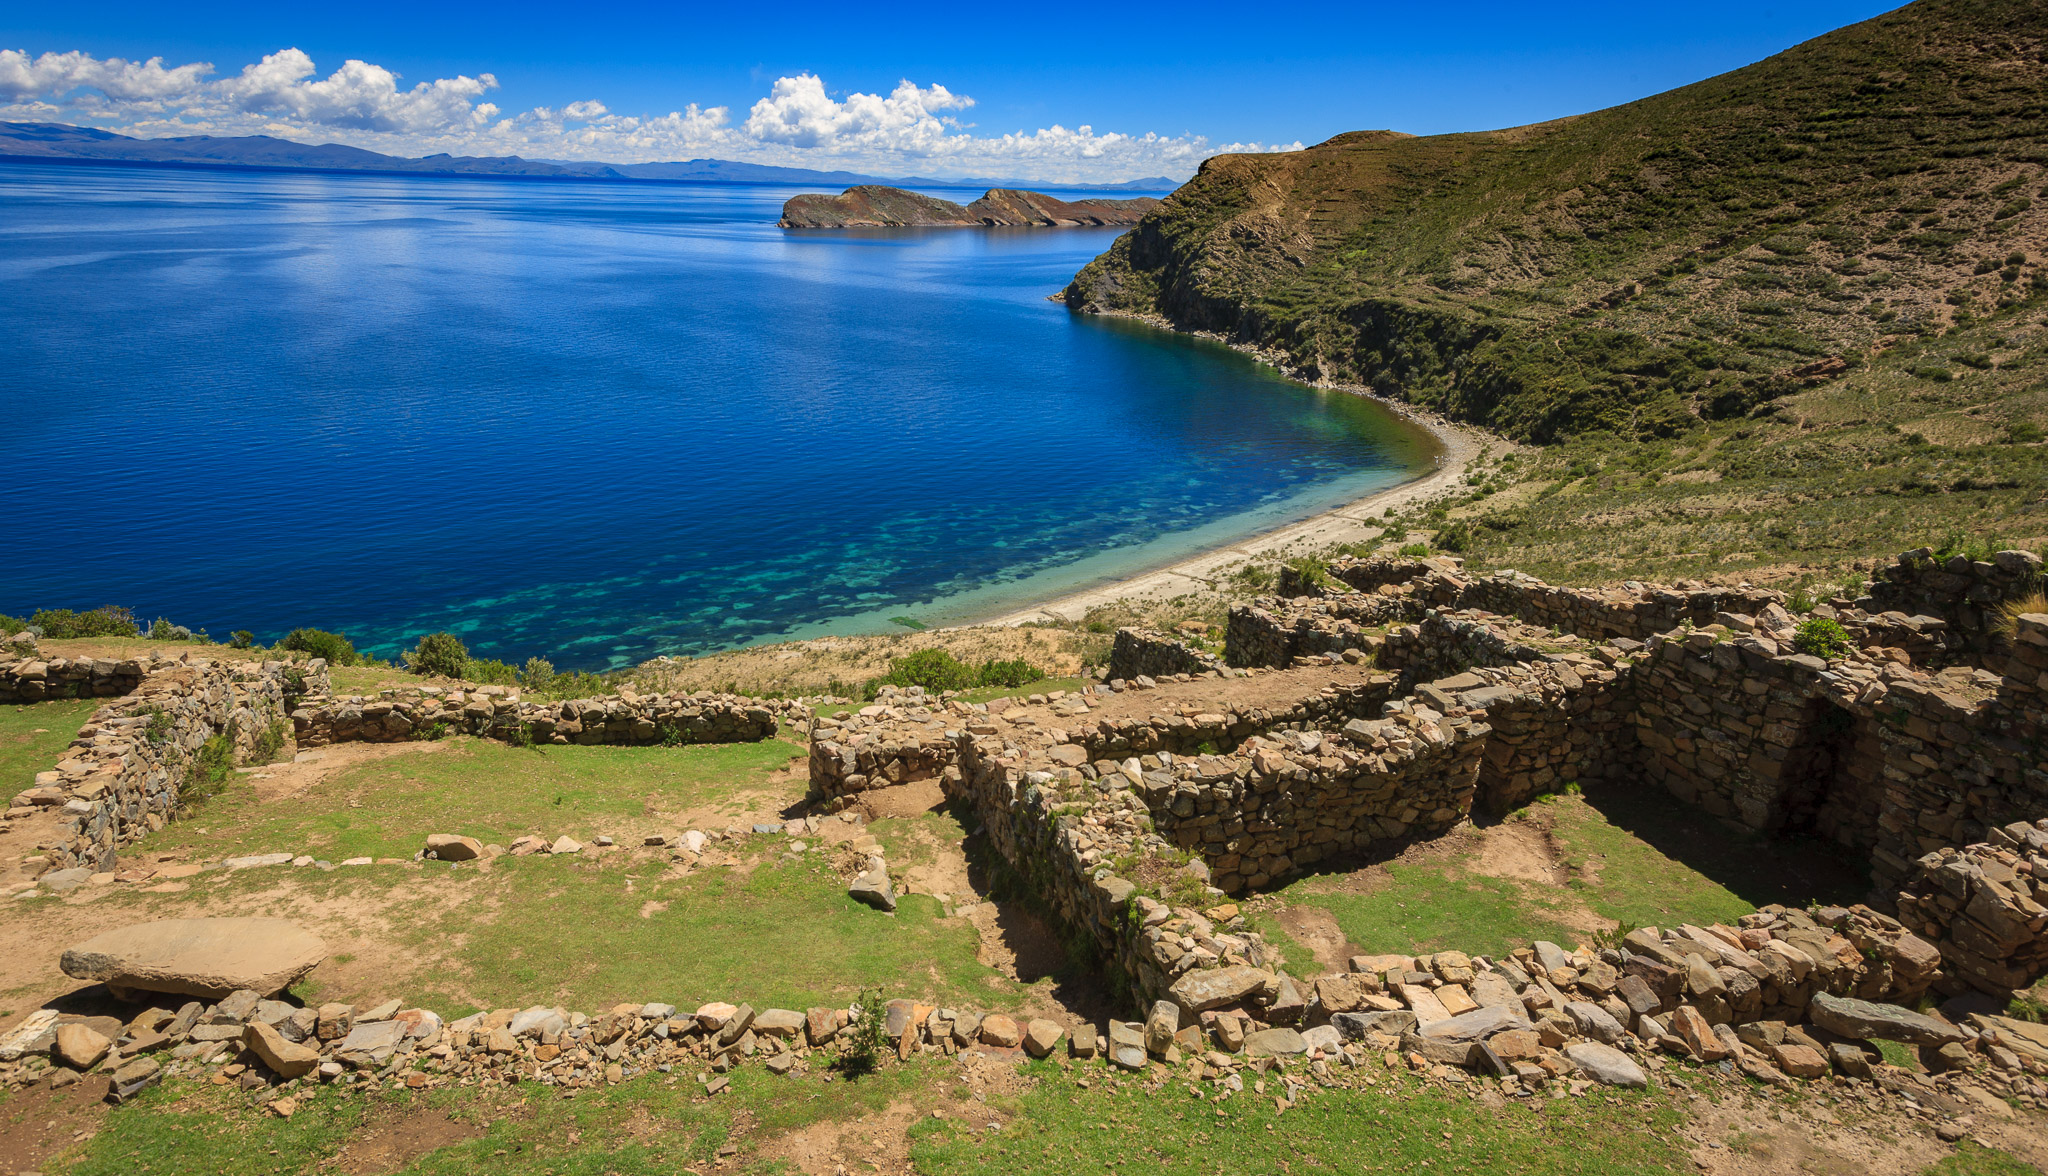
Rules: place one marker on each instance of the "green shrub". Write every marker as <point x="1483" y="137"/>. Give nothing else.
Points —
<point x="439" y="653"/>
<point x="11" y="624"/>
<point x="2023" y="433"/>
<point x="1821" y="637"/>
<point x="866" y="1038"/>
<point x="1009" y="674"/>
<point x="1414" y="551"/>
<point x="210" y="770"/>
<point x="538" y="673"/>
<point x="934" y="669"/>
<point x="159" y="725"/>
<point x="577" y="684"/>
<point x="490" y="671"/>
<point x="1314" y="572"/>
<point x="108" y="620"/>
<point x="241" y="639"/>
<point x="1454" y="536"/>
<point x="270" y="744"/>
<point x="337" y="649"/>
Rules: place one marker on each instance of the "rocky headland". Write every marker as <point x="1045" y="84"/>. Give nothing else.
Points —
<point x="871" y="206"/>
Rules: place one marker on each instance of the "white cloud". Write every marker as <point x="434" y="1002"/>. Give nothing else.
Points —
<point x="56" y="74"/>
<point x="799" y="112"/>
<point x="910" y="130"/>
<point x="358" y="95"/>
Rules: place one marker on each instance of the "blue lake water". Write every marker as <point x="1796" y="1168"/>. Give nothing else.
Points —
<point x="600" y="422"/>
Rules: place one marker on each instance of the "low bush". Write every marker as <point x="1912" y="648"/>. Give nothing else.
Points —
<point x="270" y="744"/>
<point x="439" y="653"/>
<point x="1414" y="551"/>
<point x="1009" y="674"/>
<point x="1821" y="637"/>
<point x="337" y="649"/>
<point x="934" y="669"/>
<point x="109" y="620"/>
<point x="491" y="672"/>
<point x="866" y="1037"/>
<point x="537" y="674"/>
<point x="11" y="624"/>
<point x="1455" y="536"/>
<point x="210" y="770"/>
<point x="241" y="639"/>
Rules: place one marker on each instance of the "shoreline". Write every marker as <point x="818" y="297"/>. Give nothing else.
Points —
<point x="1459" y="445"/>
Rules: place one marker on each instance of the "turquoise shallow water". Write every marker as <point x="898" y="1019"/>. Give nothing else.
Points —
<point x="599" y="423"/>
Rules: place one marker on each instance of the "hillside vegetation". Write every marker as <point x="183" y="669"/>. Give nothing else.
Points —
<point x="1794" y="312"/>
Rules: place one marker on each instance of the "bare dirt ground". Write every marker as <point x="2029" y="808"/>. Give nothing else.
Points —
<point x="1734" y="1131"/>
<point x="393" y="1139"/>
<point x="1266" y="689"/>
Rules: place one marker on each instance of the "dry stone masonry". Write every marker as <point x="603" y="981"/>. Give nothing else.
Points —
<point x="121" y="776"/>
<point x="429" y="712"/>
<point x="1424" y="694"/>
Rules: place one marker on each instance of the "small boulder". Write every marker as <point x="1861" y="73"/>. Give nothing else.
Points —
<point x="451" y="847"/>
<point x="779" y="1023"/>
<point x="1275" y="1043"/>
<point x="1160" y="1026"/>
<point x="79" y="1046"/>
<point x="1212" y="988"/>
<point x="1040" y="1036"/>
<point x="286" y="1059"/>
<point x="565" y="844"/>
<point x="998" y="1030"/>
<point x="1604" y="1063"/>
<point x="873" y="888"/>
<point x="198" y="957"/>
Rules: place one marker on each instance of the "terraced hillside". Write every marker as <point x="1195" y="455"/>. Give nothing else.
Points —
<point x="1820" y="274"/>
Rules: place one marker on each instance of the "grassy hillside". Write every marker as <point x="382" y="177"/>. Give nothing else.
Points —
<point x="1795" y="310"/>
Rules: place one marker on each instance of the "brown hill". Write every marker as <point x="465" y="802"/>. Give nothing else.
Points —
<point x="878" y="206"/>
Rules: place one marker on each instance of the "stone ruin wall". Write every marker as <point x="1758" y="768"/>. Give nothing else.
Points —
<point x="497" y="712"/>
<point x="1476" y="710"/>
<point x="1147" y="653"/>
<point x="120" y="778"/>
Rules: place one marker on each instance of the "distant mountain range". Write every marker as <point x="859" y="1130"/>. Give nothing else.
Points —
<point x="62" y="143"/>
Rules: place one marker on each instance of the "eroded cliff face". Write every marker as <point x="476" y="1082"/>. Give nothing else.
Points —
<point x="878" y="206"/>
<point x="1697" y="254"/>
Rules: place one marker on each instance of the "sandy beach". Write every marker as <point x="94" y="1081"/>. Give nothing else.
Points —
<point x="1355" y="521"/>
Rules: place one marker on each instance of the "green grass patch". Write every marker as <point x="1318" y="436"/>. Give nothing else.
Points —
<point x="1971" y="1159"/>
<point x="484" y="789"/>
<point x="1635" y="857"/>
<point x="32" y="735"/>
<point x="1399" y="1127"/>
<point x="653" y="1126"/>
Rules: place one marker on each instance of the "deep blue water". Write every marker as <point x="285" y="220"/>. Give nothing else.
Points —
<point x="595" y="422"/>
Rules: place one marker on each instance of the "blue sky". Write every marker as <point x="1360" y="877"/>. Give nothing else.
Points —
<point x="989" y="87"/>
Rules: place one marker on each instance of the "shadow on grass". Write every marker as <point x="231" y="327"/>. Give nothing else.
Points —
<point x="1793" y="871"/>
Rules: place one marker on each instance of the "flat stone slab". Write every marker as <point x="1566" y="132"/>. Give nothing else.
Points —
<point x="1477" y="1025"/>
<point x="1275" y="1043"/>
<point x="1863" y="1018"/>
<point x="1604" y="1063"/>
<point x="1204" y="989"/>
<point x="198" y="957"/>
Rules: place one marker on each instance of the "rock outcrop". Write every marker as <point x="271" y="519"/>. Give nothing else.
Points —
<point x="872" y="206"/>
